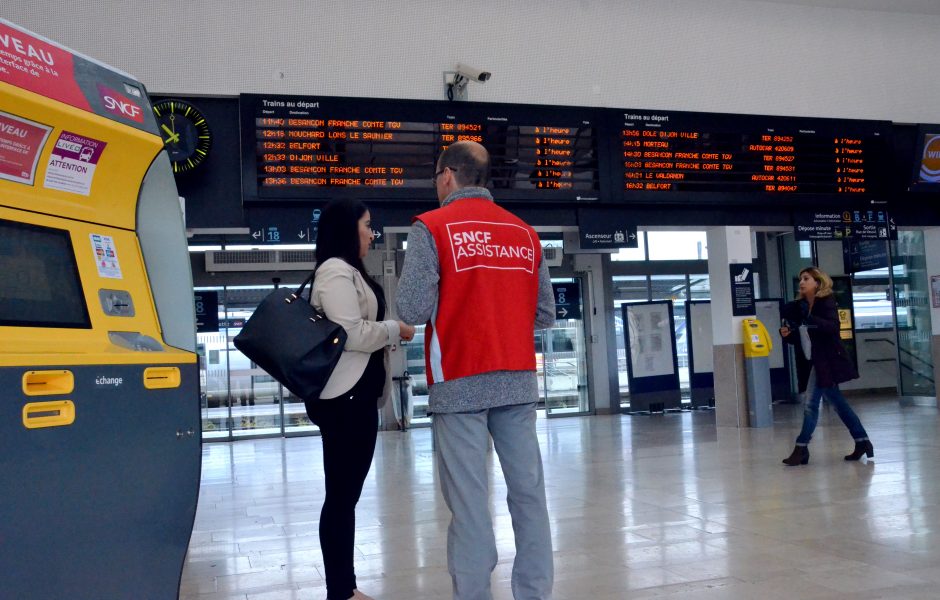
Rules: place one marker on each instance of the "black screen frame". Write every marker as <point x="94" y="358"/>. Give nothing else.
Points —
<point x="732" y="123"/>
<point x="66" y="237"/>
<point x="334" y="107"/>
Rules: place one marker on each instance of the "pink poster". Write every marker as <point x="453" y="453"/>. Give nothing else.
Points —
<point x="21" y="142"/>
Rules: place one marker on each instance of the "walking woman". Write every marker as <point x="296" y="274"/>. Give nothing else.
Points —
<point x="817" y="336"/>
<point x="346" y="411"/>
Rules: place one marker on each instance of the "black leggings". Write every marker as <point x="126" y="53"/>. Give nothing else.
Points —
<point x="348" y="426"/>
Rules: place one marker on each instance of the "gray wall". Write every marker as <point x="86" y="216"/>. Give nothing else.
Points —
<point x="748" y="56"/>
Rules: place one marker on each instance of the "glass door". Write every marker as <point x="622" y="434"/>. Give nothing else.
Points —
<point x="254" y="396"/>
<point x="561" y="353"/>
<point x="238" y="398"/>
<point x="912" y="310"/>
<point x="213" y="370"/>
<point x="627" y="288"/>
<point x="675" y="289"/>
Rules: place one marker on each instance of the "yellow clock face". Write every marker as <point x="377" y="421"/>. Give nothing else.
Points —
<point x="185" y="133"/>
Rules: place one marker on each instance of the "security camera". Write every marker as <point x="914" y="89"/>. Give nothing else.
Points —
<point x="473" y="73"/>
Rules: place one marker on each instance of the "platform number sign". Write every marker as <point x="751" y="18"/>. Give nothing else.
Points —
<point x="567" y="300"/>
<point x="207" y="311"/>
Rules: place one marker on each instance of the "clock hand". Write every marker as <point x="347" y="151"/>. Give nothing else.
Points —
<point x="174" y="137"/>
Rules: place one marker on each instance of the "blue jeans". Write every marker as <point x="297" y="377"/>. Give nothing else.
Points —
<point x="838" y="401"/>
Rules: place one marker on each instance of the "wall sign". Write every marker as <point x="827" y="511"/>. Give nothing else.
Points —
<point x="605" y="230"/>
<point x="567" y="300"/>
<point x="846" y="224"/>
<point x="742" y="289"/>
<point x="207" y="311"/>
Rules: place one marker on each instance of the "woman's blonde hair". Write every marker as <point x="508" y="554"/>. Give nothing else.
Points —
<point x="824" y="281"/>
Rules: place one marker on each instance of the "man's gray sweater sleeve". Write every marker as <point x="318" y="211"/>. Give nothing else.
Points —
<point x="545" y="312"/>
<point x="418" y="286"/>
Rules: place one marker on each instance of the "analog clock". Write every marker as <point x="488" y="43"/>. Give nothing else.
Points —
<point x="185" y="133"/>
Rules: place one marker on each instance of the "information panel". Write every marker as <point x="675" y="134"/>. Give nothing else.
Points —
<point x="668" y="152"/>
<point x="297" y="147"/>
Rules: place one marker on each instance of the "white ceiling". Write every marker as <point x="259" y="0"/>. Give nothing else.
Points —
<point x="922" y="7"/>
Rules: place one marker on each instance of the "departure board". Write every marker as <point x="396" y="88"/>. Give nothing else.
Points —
<point x="296" y="148"/>
<point x="739" y="155"/>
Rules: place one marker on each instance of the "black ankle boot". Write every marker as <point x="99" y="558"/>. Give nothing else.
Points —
<point x="800" y="456"/>
<point x="863" y="447"/>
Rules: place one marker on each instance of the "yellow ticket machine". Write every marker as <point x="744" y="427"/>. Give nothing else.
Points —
<point x="757" y="347"/>
<point x="99" y="409"/>
<point x="757" y="342"/>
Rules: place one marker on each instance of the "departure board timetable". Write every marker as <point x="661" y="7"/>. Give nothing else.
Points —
<point x="739" y="155"/>
<point x="296" y="148"/>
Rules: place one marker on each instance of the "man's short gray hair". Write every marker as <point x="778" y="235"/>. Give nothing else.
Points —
<point x="469" y="161"/>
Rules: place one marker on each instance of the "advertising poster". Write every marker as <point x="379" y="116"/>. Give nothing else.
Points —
<point x="72" y="163"/>
<point x="650" y="335"/>
<point x="21" y="142"/>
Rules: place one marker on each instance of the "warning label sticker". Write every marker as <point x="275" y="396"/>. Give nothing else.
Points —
<point x="72" y="163"/>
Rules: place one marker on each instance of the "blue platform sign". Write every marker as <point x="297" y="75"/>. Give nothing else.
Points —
<point x="207" y="311"/>
<point x="567" y="300"/>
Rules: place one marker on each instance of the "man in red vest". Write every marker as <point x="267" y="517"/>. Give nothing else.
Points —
<point x="474" y="275"/>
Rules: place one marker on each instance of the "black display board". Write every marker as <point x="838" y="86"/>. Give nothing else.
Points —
<point x="701" y="157"/>
<point x="318" y="147"/>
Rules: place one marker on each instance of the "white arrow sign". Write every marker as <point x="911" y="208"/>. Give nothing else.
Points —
<point x="302" y="234"/>
<point x="256" y="234"/>
<point x="563" y="312"/>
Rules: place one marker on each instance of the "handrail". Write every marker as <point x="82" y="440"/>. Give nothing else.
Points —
<point x="904" y="350"/>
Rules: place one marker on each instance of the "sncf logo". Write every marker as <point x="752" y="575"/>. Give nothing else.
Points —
<point x="487" y="245"/>
<point x="118" y="104"/>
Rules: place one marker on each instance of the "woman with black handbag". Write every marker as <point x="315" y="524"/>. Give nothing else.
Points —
<point x="346" y="411"/>
<point x="816" y="335"/>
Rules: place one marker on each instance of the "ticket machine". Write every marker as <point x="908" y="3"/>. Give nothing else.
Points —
<point x="99" y="409"/>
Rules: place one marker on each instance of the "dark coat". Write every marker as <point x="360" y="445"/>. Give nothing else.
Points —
<point x="830" y="359"/>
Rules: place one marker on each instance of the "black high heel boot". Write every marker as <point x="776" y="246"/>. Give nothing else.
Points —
<point x="863" y="447"/>
<point x="800" y="456"/>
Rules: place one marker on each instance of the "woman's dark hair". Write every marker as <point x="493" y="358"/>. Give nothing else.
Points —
<point x="338" y="233"/>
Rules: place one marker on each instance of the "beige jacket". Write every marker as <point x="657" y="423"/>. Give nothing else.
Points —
<point x="341" y="293"/>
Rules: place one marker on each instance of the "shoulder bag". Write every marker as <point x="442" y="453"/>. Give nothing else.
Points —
<point x="297" y="345"/>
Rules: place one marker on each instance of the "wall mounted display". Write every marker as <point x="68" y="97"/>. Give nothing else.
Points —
<point x="732" y="157"/>
<point x="298" y="148"/>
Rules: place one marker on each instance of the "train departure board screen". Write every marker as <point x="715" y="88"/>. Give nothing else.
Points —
<point x="297" y="148"/>
<point x="667" y="153"/>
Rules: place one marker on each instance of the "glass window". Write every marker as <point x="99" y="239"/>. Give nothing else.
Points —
<point x="628" y="254"/>
<point x="699" y="287"/>
<point x="677" y="245"/>
<point x="40" y="286"/>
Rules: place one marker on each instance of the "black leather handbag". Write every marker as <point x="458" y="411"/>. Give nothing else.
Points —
<point x="295" y="344"/>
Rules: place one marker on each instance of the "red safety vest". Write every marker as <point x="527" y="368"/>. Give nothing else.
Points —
<point x="489" y="279"/>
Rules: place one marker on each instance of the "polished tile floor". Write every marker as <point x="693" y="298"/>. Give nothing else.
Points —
<point x="642" y="507"/>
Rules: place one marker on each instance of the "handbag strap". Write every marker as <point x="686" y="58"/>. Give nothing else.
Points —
<point x="298" y="293"/>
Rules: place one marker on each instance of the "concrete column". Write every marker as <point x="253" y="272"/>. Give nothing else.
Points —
<point x="726" y="246"/>
<point x="932" y="252"/>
